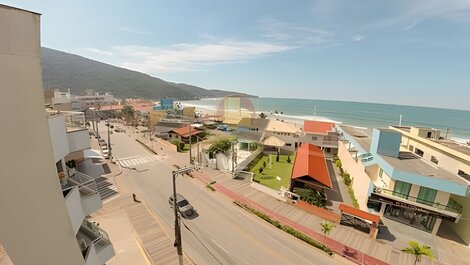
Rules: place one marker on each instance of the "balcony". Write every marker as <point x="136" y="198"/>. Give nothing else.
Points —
<point x="74" y="206"/>
<point x="73" y="119"/>
<point x="452" y="208"/>
<point x="95" y="244"/>
<point x="90" y="198"/>
<point x="78" y="139"/>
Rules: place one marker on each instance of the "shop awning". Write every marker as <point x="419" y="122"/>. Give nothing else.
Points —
<point x="344" y="208"/>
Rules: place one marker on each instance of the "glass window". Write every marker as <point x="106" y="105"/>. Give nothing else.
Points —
<point x="401" y="189"/>
<point x="427" y="196"/>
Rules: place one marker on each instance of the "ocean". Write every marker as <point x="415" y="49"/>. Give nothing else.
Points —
<point x="358" y="113"/>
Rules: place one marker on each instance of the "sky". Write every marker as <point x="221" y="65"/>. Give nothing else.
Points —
<point x="398" y="52"/>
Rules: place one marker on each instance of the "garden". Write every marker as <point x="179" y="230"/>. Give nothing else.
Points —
<point x="271" y="173"/>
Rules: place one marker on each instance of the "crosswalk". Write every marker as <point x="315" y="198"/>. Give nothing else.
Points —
<point x="134" y="161"/>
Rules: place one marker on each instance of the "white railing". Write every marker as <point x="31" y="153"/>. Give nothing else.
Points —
<point x="97" y="236"/>
<point x="248" y="160"/>
<point x="85" y="183"/>
<point x="74" y="119"/>
<point x="285" y="193"/>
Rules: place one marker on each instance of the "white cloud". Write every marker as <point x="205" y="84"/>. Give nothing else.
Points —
<point x="357" y="38"/>
<point x="98" y="51"/>
<point x="131" y="30"/>
<point x="457" y="10"/>
<point x="297" y="35"/>
<point x="185" y="57"/>
<point x="411" y="25"/>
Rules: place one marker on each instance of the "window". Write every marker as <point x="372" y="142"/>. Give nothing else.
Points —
<point x="411" y="148"/>
<point x="463" y="175"/>
<point x="401" y="189"/>
<point x="429" y="135"/>
<point x="419" y="152"/>
<point x="288" y="144"/>
<point x="314" y="138"/>
<point x="434" y="160"/>
<point x="426" y="196"/>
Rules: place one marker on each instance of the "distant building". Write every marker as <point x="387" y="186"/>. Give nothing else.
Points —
<point x="284" y="131"/>
<point x="96" y="100"/>
<point x="321" y="134"/>
<point x="184" y="133"/>
<point x="165" y="104"/>
<point x="59" y="100"/>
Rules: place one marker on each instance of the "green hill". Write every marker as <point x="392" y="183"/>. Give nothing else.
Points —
<point x="62" y="71"/>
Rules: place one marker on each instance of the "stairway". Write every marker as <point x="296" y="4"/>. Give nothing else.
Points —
<point x="106" y="188"/>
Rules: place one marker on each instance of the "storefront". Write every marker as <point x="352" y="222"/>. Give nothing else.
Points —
<point x="413" y="214"/>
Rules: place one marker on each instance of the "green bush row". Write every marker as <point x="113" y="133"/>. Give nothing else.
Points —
<point x="287" y="229"/>
<point x="347" y="180"/>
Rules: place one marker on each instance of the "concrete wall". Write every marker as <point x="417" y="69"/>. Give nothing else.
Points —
<point x="360" y="179"/>
<point x="445" y="161"/>
<point x="462" y="228"/>
<point x="35" y="226"/>
<point x="58" y="132"/>
<point x="78" y="140"/>
<point x="385" y="142"/>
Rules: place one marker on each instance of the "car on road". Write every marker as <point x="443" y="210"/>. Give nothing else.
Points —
<point x="186" y="210"/>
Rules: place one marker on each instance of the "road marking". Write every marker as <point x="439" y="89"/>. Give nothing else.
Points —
<point x="133" y="161"/>
<point x="215" y="242"/>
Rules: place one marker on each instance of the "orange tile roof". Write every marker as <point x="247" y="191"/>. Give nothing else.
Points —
<point x="358" y="213"/>
<point x="310" y="161"/>
<point x="186" y="131"/>
<point x="111" y="107"/>
<point x="322" y="127"/>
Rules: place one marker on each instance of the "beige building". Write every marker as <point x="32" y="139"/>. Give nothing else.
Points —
<point x="42" y="222"/>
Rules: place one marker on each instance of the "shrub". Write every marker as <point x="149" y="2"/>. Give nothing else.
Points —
<point x="338" y="164"/>
<point x="353" y="198"/>
<point x="264" y="164"/>
<point x="288" y="159"/>
<point x="209" y="186"/>
<point x="260" y="170"/>
<point x="287" y="229"/>
<point x="347" y="178"/>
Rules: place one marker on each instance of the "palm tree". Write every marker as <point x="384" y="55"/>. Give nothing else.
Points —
<point x="418" y="250"/>
<point x="326" y="228"/>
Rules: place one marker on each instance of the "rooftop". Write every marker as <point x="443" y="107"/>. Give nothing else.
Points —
<point x="253" y="123"/>
<point x="464" y="149"/>
<point x="412" y="163"/>
<point x="279" y="126"/>
<point x="187" y="131"/>
<point x="318" y="127"/>
<point x="310" y="162"/>
<point x="362" y="136"/>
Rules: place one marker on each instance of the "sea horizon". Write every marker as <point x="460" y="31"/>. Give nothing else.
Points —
<point x="362" y="114"/>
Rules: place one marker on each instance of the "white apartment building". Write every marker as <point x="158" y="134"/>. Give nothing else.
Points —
<point x="42" y="221"/>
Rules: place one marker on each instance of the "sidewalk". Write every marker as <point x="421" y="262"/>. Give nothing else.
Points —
<point x="301" y="220"/>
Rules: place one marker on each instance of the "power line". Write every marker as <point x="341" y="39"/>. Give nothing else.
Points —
<point x="208" y="250"/>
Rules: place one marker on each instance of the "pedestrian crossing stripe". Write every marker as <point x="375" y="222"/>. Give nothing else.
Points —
<point x="132" y="162"/>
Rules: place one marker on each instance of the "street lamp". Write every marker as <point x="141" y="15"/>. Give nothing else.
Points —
<point x="178" y="242"/>
<point x="109" y="138"/>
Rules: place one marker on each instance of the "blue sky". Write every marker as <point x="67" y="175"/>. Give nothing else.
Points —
<point x="399" y="52"/>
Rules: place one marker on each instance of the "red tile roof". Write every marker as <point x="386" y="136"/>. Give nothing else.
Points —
<point x="310" y="161"/>
<point x="186" y="131"/>
<point x="322" y="127"/>
<point x="358" y="213"/>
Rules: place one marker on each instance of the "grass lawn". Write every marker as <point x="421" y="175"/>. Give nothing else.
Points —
<point x="281" y="169"/>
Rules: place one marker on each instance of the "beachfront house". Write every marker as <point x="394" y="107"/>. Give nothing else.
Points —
<point x="249" y="132"/>
<point x="285" y="132"/>
<point x="184" y="133"/>
<point x="322" y="134"/>
<point x="411" y="176"/>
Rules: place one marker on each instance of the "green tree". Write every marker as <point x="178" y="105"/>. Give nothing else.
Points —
<point x="128" y="113"/>
<point x="219" y="146"/>
<point x="326" y="228"/>
<point x="418" y="250"/>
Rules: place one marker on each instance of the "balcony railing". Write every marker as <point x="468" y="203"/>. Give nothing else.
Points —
<point x="452" y="206"/>
<point x="73" y="119"/>
<point x="99" y="238"/>
<point x="85" y="183"/>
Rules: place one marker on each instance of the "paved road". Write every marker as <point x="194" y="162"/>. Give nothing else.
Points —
<point x="223" y="233"/>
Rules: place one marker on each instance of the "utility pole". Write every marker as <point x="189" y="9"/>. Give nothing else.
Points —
<point x="109" y="139"/>
<point x="178" y="242"/>
<point x="190" y="151"/>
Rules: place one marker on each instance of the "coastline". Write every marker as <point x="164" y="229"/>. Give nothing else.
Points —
<point x="297" y="120"/>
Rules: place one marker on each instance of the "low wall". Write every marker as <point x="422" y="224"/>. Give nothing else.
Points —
<point x="360" y="180"/>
